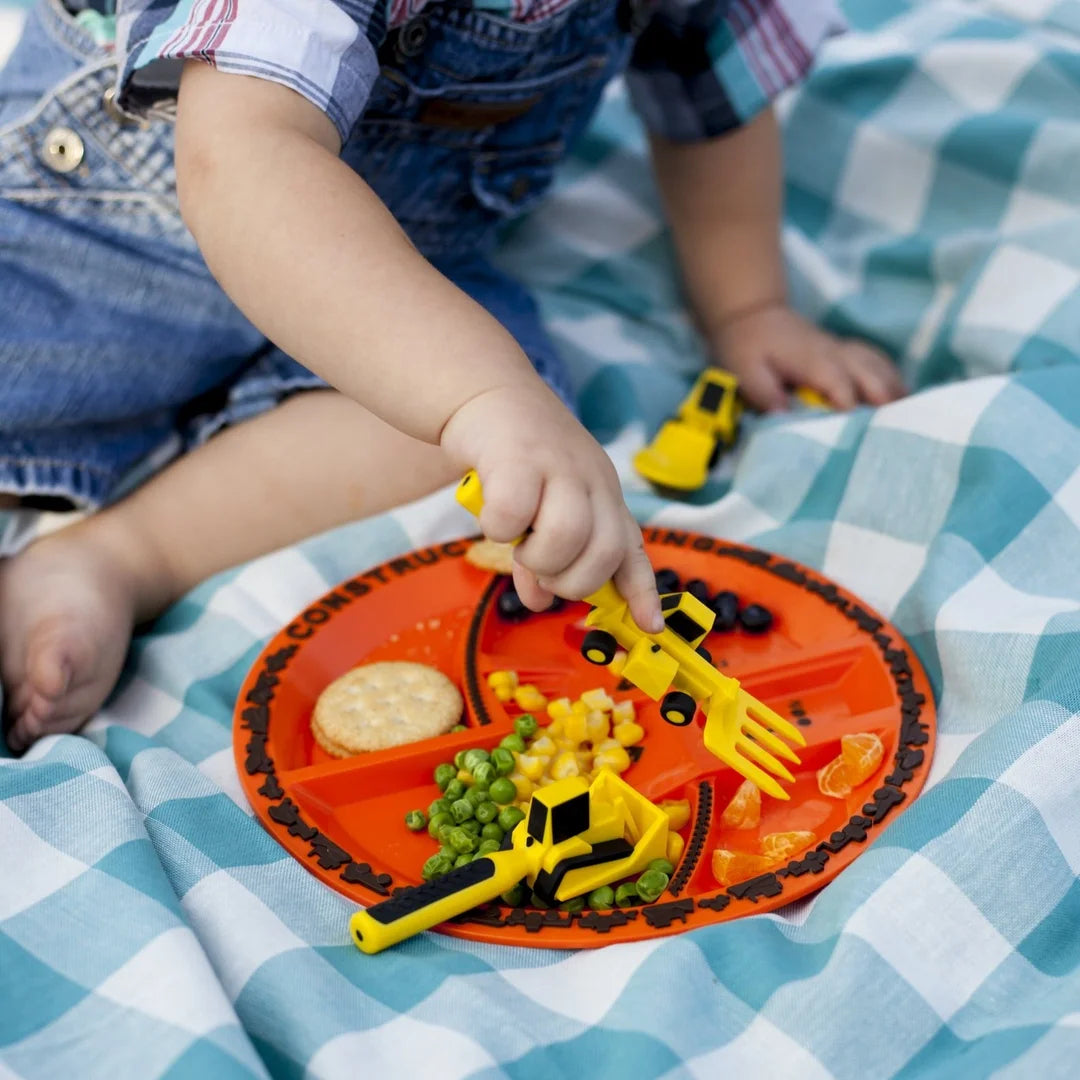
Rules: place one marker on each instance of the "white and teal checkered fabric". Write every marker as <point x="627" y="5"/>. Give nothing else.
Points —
<point x="150" y="927"/>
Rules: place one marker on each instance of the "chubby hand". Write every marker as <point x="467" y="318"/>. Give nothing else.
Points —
<point x="773" y="350"/>
<point x="541" y="470"/>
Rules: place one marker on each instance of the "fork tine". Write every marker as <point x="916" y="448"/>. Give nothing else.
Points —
<point x="755" y="775"/>
<point x="762" y="757"/>
<point x="767" y="738"/>
<point x="759" y="711"/>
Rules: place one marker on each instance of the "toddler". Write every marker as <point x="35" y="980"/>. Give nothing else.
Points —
<point x="213" y="211"/>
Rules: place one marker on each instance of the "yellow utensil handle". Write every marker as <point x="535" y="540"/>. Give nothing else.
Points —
<point x="415" y="910"/>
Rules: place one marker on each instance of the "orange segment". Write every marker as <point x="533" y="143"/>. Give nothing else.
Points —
<point x="833" y="779"/>
<point x="731" y="867"/>
<point x="744" y="810"/>
<point x="781" y="846"/>
<point x="862" y="753"/>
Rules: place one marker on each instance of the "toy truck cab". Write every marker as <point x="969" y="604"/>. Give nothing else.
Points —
<point x="688" y="446"/>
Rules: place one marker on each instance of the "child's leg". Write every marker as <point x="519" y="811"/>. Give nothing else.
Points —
<point x="69" y="602"/>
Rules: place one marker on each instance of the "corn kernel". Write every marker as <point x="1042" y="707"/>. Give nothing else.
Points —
<point x="597" y="728"/>
<point x="628" y="734"/>
<point x="623" y="712"/>
<point x="555" y="728"/>
<point x="598" y="699"/>
<point x="563" y="743"/>
<point x="607" y="744"/>
<point x="575" y="728"/>
<point x="522" y="784"/>
<point x="675" y="845"/>
<point x="530" y="699"/>
<point x="532" y="765"/>
<point x="618" y="662"/>
<point x="466" y="777"/>
<point x="559" y="707"/>
<point x="545" y="781"/>
<point x="504" y="693"/>
<point x="503" y="678"/>
<point x="678" y="812"/>
<point x="579" y="708"/>
<point x="584" y="760"/>
<point x="543" y="746"/>
<point x="617" y="760"/>
<point x="565" y="765"/>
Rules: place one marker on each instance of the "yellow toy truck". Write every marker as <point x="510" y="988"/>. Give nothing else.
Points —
<point x="575" y="838"/>
<point x="687" y="447"/>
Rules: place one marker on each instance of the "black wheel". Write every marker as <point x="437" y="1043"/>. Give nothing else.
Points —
<point x="678" y="708"/>
<point x="704" y="654"/>
<point x="599" y="647"/>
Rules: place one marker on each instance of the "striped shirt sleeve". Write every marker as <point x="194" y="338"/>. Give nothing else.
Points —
<point x="703" y="67"/>
<point x="325" y="50"/>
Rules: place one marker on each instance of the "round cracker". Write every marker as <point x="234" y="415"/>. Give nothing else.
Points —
<point x="492" y="556"/>
<point x="376" y="706"/>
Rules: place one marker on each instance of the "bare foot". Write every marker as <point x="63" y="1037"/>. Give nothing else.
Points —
<point x="68" y="604"/>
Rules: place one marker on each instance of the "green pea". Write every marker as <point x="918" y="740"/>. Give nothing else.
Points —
<point x="486" y="813"/>
<point x="415" y="820"/>
<point x="475" y="796"/>
<point x="538" y="902"/>
<point x="487" y="847"/>
<point x="509" y="816"/>
<point x="461" y="810"/>
<point x="445" y="830"/>
<point x="449" y="852"/>
<point x="463" y="860"/>
<point x="651" y="884"/>
<point x="438" y="806"/>
<point x="514" y="743"/>
<point x="454" y="790"/>
<point x="492" y="831"/>
<point x="459" y="759"/>
<point x="576" y="903"/>
<point x="526" y="725"/>
<point x="459" y="727"/>
<point x="464" y="843"/>
<point x="516" y="896"/>
<point x="472" y="826"/>
<point x="435" y="820"/>
<point x="474" y="757"/>
<point x="626" y="895"/>
<point x="435" y="867"/>
<point x="444" y="774"/>
<point x="503" y="791"/>
<point x="502" y="760"/>
<point x="601" y="899"/>
<point x="663" y="865"/>
<point x="484" y="773"/>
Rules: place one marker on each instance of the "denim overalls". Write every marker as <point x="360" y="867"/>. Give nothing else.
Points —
<point x="117" y="347"/>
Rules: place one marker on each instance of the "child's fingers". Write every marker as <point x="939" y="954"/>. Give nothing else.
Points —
<point x="529" y="590"/>
<point x="760" y="384"/>
<point x="511" y="498"/>
<point x="823" y="371"/>
<point x="636" y="580"/>
<point x="874" y="373"/>
<point x="602" y="555"/>
<point x="561" y="530"/>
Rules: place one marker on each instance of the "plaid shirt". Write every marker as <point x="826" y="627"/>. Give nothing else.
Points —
<point x="700" y="67"/>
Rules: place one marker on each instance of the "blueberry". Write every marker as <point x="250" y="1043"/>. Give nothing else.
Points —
<point x="698" y="589"/>
<point x="726" y="607"/>
<point x="755" y="619"/>
<point x="667" y="581"/>
<point x="510" y="606"/>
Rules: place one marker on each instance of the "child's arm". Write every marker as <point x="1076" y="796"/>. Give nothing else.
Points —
<point x="315" y="260"/>
<point x="723" y="199"/>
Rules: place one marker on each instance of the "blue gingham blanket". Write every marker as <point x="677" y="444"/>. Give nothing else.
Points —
<point x="150" y="927"/>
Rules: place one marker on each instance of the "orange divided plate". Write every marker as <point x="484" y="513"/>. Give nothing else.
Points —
<point x="829" y="663"/>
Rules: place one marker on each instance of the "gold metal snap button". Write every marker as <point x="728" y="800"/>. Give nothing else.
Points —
<point x="112" y="110"/>
<point x="63" y="150"/>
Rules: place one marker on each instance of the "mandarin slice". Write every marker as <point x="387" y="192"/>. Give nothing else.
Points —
<point x="744" y="810"/>
<point x="833" y="779"/>
<point x="780" y="846"/>
<point x="862" y="754"/>
<point x="731" y="867"/>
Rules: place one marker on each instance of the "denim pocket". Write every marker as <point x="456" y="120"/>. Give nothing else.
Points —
<point x="511" y="181"/>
